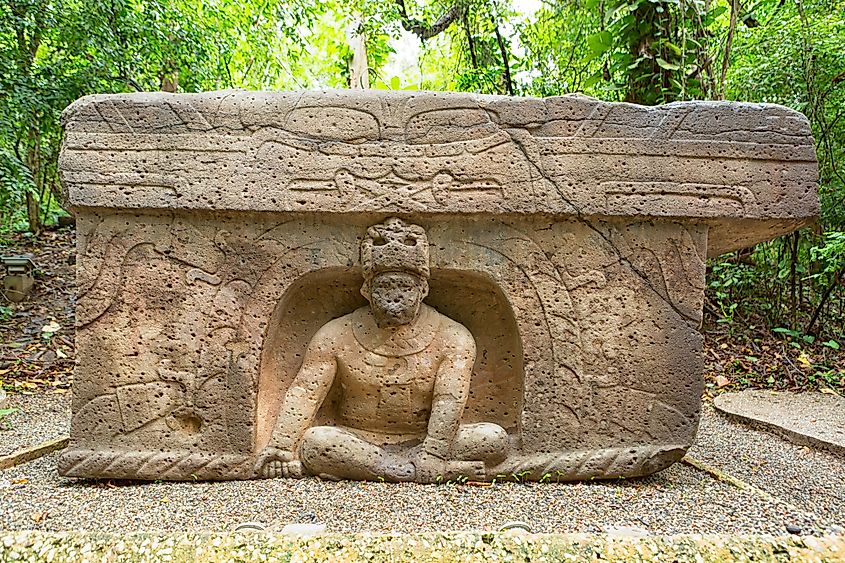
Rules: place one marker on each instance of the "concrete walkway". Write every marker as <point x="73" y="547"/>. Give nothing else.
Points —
<point x="807" y="419"/>
<point x="738" y="481"/>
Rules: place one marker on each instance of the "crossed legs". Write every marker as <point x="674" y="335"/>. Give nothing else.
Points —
<point x="338" y="453"/>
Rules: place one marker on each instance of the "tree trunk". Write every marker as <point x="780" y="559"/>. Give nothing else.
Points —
<point x="825" y="296"/>
<point x="473" y="57"/>
<point x="425" y="30"/>
<point x="359" y="70"/>
<point x="726" y="58"/>
<point x="170" y="82"/>
<point x="504" y="52"/>
<point x="170" y="76"/>
<point x="32" y="215"/>
<point x="33" y="162"/>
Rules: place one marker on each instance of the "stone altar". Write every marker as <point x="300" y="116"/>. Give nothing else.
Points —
<point x="409" y="286"/>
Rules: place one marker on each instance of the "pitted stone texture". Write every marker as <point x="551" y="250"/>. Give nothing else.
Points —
<point x="747" y="170"/>
<point x="191" y="329"/>
<point x="404" y="372"/>
<point x="217" y="234"/>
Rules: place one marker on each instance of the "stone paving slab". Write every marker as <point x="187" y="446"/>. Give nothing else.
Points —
<point x="473" y="547"/>
<point x="807" y="419"/>
<point x="40" y="417"/>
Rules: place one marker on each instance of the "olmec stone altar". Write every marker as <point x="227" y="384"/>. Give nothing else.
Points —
<point x="406" y="286"/>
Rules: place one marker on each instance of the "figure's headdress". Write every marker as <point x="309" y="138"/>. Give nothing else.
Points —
<point x="395" y="246"/>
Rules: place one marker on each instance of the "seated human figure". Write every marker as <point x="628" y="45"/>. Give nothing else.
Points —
<point x="404" y="371"/>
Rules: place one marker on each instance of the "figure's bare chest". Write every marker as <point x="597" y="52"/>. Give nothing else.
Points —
<point x="364" y="370"/>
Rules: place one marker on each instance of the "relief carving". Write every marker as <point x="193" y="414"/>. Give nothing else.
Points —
<point x="404" y="372"/>
<point x="406" y="286"/>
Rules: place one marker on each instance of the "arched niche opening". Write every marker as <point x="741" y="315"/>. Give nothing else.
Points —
<point x="471" y="298"/>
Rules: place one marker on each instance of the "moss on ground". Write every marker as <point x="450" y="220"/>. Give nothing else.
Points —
<point x="481" y="547"/>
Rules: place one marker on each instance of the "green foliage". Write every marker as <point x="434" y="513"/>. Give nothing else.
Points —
<point x="53" y="52"/>
<point x="656" y="51"/>
<point x="3" y="414"/>
<point x="829" y="254"/>
<point x="563" y="48"/>
<point x="643" y="51"/>
<point x="724" y="279"/>
<point x="15" y="183"/>
<point x="794" y="283"/>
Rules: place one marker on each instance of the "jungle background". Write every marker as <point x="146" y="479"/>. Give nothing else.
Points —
<point x="774" y="314"/>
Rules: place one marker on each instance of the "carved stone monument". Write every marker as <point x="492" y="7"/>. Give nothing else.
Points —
<point x="406" y="286"/>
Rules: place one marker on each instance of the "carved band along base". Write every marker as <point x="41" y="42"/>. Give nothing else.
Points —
<point x="608" y="463"/>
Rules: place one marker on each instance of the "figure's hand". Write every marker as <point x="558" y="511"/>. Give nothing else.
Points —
<point x="471" y="470"/>
<point x="273" y="462"/>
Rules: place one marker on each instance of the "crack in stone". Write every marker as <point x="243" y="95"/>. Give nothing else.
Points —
<point x="580" y="216"/>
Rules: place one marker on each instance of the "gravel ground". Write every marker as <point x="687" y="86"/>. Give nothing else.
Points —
<point x="679" y="500"/>
<point x="40" y="417"/>
<point x="813" y="480"/>
<point x="807" y="485"/>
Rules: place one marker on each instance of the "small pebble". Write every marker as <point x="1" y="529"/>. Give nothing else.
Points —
<point x="307" y="516"/>
<point x="304" y="529"/>
<point x="793" y="529"/>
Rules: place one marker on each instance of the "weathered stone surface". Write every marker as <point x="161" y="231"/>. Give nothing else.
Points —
<point x="404" y="371"/>
<point x="219" y="232"/>
<point x="481" y="547"/>
<point x="809" y="419"/>
<point x="747" y="170"/>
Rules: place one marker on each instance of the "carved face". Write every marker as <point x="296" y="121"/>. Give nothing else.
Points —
<point x="395" y="298"/>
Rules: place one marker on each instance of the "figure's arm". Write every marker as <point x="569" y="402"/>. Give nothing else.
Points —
<point x="451" y="390"/>
<point x="306" y="393"/>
